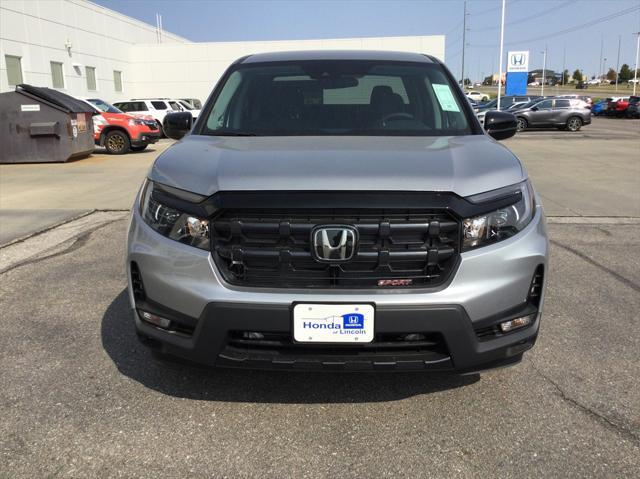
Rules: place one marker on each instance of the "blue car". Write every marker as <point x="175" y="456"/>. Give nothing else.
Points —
<point x="600" y="108"/>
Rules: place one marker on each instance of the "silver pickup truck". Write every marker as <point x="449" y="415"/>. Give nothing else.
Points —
<point x="338" y="210"/>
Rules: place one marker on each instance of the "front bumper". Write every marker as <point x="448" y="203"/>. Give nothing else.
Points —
<point x="145" y="138"/>
<point x="491" y="285"/>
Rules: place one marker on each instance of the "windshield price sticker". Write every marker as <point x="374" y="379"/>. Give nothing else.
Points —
<point x="445" y="97"/>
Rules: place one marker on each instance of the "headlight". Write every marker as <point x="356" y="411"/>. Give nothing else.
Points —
<point x="503" y="223"/>
<point x="135" y="121"/>
<point x="172" y="223"/>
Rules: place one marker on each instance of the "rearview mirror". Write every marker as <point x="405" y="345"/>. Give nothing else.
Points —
<point x="176" y="125"/>
<point x="500" y="125"/>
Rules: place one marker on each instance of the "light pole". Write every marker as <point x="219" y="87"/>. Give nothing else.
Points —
<point x="464" y="39"/>
<point x="501" y="53"/>
<point x="604" y="60"/>
<point x="618" y="62"/>
<point x="544" y="67"/>
<point x="635" y="73"/>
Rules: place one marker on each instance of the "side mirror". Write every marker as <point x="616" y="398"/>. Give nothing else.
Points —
<point x="176" y="125"/>
<point x="500" y="125"/>
<point x="534" y="108"/>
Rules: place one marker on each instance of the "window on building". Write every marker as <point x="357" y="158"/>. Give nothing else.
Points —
<point x="57" y="76"/>
<point x="91" y="78"/>
<point x="117" y="80"/>
<point x="14" y="70"/>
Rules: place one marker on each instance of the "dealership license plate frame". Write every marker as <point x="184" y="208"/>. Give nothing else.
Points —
<point x="367" y="310"/>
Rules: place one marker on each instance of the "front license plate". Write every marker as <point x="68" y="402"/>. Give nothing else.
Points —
<point x="333" y="323"/>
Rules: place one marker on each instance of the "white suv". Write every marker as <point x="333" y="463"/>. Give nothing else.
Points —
<point x="186" y="106"/>
<point x="155" y="107"/>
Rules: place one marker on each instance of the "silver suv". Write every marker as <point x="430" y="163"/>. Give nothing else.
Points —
<point x="338" y="210"/>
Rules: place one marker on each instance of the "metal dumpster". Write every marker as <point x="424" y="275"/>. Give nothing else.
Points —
<point x="43" y="125"/>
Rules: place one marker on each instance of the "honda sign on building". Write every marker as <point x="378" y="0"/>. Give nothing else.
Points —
<point x="517" y="73"/>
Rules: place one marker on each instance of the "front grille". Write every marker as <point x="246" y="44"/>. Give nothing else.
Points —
<point x="384" y="342"/>
<point x="271" y="248"/>
<point x="387" y="351"/>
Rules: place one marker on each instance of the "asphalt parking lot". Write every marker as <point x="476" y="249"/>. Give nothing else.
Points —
<point x="81" y="398"/>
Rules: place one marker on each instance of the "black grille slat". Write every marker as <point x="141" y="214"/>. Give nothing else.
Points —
<point x="387" y="342"/>
<point x="271" y="248"/>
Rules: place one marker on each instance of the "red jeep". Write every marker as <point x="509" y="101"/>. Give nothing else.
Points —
<point x="121" y="132"/>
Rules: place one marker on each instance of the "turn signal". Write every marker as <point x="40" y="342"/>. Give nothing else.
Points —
<point x="163" y="323"/>
<point x="516" y="323"/>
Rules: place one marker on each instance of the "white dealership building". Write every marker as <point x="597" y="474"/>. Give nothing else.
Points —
<point x="87" y="50"/>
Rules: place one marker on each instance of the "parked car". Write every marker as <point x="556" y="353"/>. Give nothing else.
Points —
<point x="296" y="226"/>
<point x="562" y="113"/>
<point x="194" y="102"/>
<point x="633" y="110"/>
<point x="157" y="108"/>
<point x="186" y="106"/>
<point x="506" y="102"/>
<point x="120" y="132"/>
<point x="478" y="96"/>
<point x="600" y="108"/>
<point x="582" y="86"/>
<point x="618" y="107"/>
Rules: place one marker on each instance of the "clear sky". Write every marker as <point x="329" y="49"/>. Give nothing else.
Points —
<point x="530" y="25"/>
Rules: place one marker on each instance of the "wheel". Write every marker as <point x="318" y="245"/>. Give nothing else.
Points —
<point x="117" y="142"/>
<point x="522" y="124"/>
<point x="574" y="123"/>
<point x="138" y="148"/>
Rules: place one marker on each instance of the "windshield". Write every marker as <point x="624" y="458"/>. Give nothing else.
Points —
<point x="530" y="104"/>
<point x="337" y="98"/>
<point x="103" y="106"/>
<point x="490" y="104"/>
<point x="185" y="105"/>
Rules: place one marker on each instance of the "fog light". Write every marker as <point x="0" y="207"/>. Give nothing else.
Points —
<point x="163" y="323"/>
<point x="252" y="335"/>
<point x="516" y="323"/>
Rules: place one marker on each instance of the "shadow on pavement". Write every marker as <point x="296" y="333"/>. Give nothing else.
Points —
<point x="187" y="380"/>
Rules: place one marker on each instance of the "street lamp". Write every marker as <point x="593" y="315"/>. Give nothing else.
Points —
<point x="544" y="67"/>
<point x="604" y="60"/>
<point x="635" y="73"/>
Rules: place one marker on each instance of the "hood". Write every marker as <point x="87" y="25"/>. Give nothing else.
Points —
<point x="465" y="165"/>
<point x="124" y="117"/>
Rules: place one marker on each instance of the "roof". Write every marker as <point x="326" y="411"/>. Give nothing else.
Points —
<point x="337" y="55"/>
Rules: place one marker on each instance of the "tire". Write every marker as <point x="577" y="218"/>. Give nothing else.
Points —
<point x="522" y="123"/>
<point x="138" y="148"/>
<point x="574" y="123"/>
<point x="117" y="142"/>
